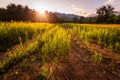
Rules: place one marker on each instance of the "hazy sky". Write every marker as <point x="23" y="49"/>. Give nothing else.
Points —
<point x="79" y="7"/>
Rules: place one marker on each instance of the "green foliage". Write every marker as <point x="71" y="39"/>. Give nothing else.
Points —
<point x="48" y="40"/>
<point x="105" y="14"/>
<point x="22" y="50"/>
<point x="52" y="41"/>
<point x="13" y="34"/>
<point x="16" y="33"/>
<point x="97" y="57"/>
<point x="56" y="43"/>
<point x="104" y="35"/>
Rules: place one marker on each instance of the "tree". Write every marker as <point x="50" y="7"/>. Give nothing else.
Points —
<point x="75" y="19"/>
<point x="118" y="19"/>
<point x="2" y="14"/>
<point x="14" y="12"/>
<point x="82" y="19"/>
<point x="105" y="14"/>
<point x="18" y="12"/>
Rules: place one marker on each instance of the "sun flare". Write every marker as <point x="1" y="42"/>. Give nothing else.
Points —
<point x="41" y="9"/>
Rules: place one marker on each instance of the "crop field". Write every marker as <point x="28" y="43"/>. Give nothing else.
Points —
<point x="44" y="51"/>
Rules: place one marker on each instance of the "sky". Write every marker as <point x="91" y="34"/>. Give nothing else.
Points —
<point x="79" y="7"/>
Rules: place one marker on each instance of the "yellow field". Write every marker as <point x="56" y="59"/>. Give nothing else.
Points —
<point x="51" y="41"/>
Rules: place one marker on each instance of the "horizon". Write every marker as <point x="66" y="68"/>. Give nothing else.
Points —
<point x="78" y="7"/>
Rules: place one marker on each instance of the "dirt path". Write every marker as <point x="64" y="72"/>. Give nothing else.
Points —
<point x="79" y="66"/>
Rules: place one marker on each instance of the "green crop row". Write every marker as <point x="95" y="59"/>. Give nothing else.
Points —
<point x="53" y="42"/>
<point x="107" y="36"/>
<point x="12" y="33"/>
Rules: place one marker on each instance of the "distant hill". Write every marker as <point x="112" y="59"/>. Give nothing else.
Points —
<point x="66" y="17"/>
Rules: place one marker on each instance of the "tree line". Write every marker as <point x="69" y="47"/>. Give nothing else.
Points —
<point x="13" y="12"/>
<point x="105" y="14"/>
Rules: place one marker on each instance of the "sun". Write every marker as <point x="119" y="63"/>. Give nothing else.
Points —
<point x="41" y="9"/>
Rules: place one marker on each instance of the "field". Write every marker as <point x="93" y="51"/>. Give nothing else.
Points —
<point x="44" y="51"/>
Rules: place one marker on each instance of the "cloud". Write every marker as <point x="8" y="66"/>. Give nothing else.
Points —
<point x="73" y="5"/>
<point x="114" y="3"/>
<point x="79" y="11"/>
<point x="117" y="8"/>
<point x="110" y="2"/>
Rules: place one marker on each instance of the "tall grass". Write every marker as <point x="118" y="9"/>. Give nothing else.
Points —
<point x="56" y="42"/>
<point x="11" y="33"/>
<point x="105" y="35"/>
<point x="49" y="40"/>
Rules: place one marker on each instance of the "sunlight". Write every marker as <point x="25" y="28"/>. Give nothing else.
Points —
<point x="41" y="8"/>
